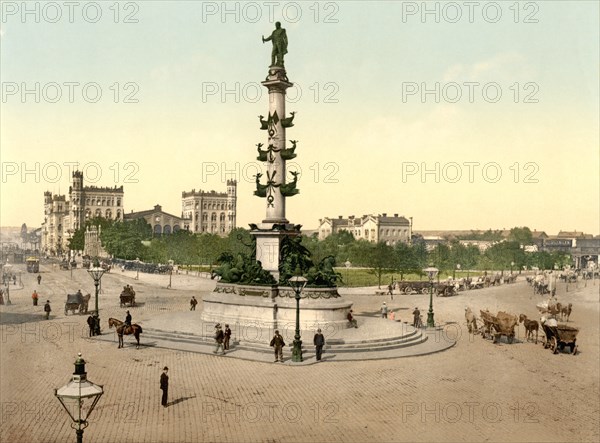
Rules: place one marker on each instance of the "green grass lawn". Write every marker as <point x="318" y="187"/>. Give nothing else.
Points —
<point x="365" y="277"/>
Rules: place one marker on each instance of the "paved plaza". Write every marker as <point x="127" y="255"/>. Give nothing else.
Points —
<point x="472" y="391"/>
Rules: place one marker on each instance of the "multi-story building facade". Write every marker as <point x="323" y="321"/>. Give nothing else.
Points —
<point x="161" y="222"/>
<point x="212" y="212"/>
<point x="63" y="214"/>
<point x="373" y="228"/>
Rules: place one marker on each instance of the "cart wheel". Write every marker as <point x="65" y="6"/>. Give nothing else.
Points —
<point x="554" y="345"/>
<point x="510" y="339"/>
<point x="408" y="290"/>
<point x="425" y="291"/>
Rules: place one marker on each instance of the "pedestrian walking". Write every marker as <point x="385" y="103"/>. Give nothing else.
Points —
<point x="1" y="297"/>
<point x="47" y="309"/>
<point x="384" y="310"/>
<point x="91" y="321"/>
<point x="34" y="297"/>
<point x="227" y="335"/>
<point x="392" y="316"/>
<point x="277" y="343"/>
<point x="39" y="279"/>
<point x="164" y="386"/>
<point x="319" y="342"/>
<point x="417" y="318"/>
<point x="219" y="337"/>
<point x="193" y="303"/>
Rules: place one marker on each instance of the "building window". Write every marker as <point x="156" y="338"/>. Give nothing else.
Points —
<point x="118" y="202"/>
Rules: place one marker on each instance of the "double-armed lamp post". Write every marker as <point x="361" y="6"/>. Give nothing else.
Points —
<point x="96" y="273"/>
<point x="431" y="273"/>
<point x="297" y="283"/>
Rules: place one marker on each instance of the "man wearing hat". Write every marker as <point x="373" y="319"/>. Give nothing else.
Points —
<point x="319" y="342"/>
<point x="219" y="336"/>
<point x="417" y="318"/>
<point x="47" y="309"/>
<point x="277" y="343"/>
<point x="164" y="386"/>
<point x="384" y="310"/>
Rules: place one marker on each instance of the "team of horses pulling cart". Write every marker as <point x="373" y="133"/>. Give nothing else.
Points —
<point x="495" y="326"/>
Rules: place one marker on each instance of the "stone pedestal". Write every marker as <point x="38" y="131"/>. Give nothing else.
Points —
<point x="274" y="307"/>
<point x="268" y="244"/>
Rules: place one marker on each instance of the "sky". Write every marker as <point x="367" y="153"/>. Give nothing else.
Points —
<point x="461" y="115"/>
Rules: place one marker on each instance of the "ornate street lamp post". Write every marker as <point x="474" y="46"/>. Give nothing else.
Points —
<point x="7" y="272"/>
<point x="96" y="273"/>
<point x="457" y="269"/>
<point x="347" y="265"/>
<point x="297" y="283"/>
<point x="431" y="273"/>
<point x="512" y="263"/>
<point x="74" y="396"/>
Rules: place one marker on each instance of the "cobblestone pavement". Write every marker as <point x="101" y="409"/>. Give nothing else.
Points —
<point x="475" y="391"/>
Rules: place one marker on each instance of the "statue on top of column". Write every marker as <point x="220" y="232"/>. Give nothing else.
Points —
<point x="280" y="42"/>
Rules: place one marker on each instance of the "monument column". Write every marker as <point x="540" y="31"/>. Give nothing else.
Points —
<point x="276" y="83"/>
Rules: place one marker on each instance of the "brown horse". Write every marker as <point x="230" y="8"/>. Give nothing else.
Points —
<point x="134" y="329"/>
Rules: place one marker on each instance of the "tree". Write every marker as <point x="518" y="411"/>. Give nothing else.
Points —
<point x="522" y="236"/>
<point x="124" y="239"/>
<point x="407" y="261"/>
<point x="381" y="258"/>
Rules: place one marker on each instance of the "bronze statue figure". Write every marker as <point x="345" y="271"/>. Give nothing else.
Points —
<point x="280" y="42"/>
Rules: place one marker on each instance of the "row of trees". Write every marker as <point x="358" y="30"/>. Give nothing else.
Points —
<point x="133" y="239"/>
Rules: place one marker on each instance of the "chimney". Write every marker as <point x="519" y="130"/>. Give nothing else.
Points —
<point x="396" y="215"/>
<point x="384" y="214"/>
<point x="339" y="217"/>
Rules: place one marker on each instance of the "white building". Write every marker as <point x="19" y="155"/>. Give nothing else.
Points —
<point x="373" y="228"/>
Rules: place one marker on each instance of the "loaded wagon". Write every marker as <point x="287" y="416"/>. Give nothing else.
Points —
<point x="559" y="337"/>
<point x="496" y="326"/>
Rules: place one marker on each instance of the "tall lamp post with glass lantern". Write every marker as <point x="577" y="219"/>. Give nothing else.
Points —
<point x="297" y="283"/>
<point x="431" y="273"/>
<point x="79" y="398"/>
<point x="96" y="273"/>
<point x="347" y="265"/>
<point x="7" y="271"/>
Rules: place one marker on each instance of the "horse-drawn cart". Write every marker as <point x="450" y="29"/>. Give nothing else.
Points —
<point x="559" y="337"/>
<point x="496" y="326"/>
<point x="77" y="302"/>
<point x="408" y="287"/>
<point x="445" y="289"/>
<point x="127" y="296"/>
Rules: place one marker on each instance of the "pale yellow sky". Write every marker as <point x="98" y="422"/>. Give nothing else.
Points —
<point x="367" y="137"/>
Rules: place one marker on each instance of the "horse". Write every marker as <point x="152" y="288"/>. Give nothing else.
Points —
<point x="530" y="326"/>
<point x="471" y="321"/>
<point x="134" y="329"/>
<point x="566" y="311"/>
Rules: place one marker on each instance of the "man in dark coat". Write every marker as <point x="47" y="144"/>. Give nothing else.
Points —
<point x="277" y="343"/>
<point x="417" y="318"/>
<point x="319" y="342"/>
<point x="164" y="385"/>
<point x="227" y="337"/>
<point x="91" y="321"/>
<point x="47" y="309"/>
<point x="128" y="320"/>
<point x="219" y="338"/>
<point x="39" y="279"/>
